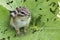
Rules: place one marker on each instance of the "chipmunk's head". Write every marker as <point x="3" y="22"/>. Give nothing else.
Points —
<point x="20" y="11"/>
<point x="23" y="11"/>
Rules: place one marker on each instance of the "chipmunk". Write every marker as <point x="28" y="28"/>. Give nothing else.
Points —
<point x="20" y="17"/>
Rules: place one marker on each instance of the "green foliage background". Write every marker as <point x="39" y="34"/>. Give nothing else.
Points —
<point x="44" y="21"/>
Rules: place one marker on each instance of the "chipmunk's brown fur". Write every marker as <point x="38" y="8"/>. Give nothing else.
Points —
<point x="20" y="18"/>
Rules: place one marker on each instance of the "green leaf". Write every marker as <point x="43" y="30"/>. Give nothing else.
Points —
<point x="45" y="24"/>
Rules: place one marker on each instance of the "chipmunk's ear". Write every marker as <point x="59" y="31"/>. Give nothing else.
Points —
<point x="24" y="7"/>
<point x="20" y="7"/>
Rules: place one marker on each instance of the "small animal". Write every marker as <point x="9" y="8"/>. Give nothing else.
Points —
<point x="20" y="17"/>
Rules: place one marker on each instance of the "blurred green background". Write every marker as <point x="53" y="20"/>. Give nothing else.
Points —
<point x="45" y="25"/>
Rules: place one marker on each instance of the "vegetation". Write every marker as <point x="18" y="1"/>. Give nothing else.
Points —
<point x="45" y="25"/>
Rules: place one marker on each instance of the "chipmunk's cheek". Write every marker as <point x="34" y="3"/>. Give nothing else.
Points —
<point x="13" y="15"/>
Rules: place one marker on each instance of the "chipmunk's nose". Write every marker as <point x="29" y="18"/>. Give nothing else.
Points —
<point x="28" y="14"/>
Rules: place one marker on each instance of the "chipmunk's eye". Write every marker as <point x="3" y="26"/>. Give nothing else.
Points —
<point x="22" y="12"/>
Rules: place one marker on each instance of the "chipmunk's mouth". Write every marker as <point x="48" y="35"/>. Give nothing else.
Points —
<point x="20" y="15"/>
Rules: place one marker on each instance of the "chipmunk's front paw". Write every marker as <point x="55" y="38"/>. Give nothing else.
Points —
<point x="18" y="32"/>
<point x="25" y="32"/>
<point x="16" y="35"/>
